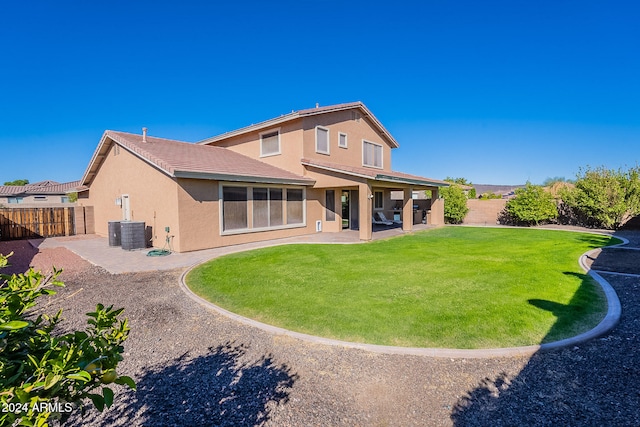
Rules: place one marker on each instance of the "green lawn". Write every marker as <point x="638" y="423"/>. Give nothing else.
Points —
<point x="452" y="287"/>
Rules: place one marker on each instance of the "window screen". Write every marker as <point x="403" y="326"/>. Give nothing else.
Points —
<point x="270" y="143"/>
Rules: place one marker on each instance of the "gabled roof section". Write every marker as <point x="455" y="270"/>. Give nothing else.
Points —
<point x="364" y="111"/>
<point x="42" y="187"/>
<point x="376" y="175"/>
<point x="180" y="159"/>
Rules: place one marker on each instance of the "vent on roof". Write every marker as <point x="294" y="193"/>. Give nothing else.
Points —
<point x="144" y="134"/>
<point x="317" y="105"/>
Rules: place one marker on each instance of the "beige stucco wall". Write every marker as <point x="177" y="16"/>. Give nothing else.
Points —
<point x="290" y="146"/>
<point x="198" y="213"/>
<point x="298" y="140"/>
<point x="189" y="207"/>
<point x="152" y="195"/>
<point x="356" y="131"/>
<point x="200" y="220"/>
<point x="485" y="212"/>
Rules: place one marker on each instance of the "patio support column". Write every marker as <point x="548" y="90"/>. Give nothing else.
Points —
<point x="407" y="209"/>
<point x="366" y="202"/>
<point x="437" y="208"/>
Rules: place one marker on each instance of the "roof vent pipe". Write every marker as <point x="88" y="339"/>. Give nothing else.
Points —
<point x="144" y="134"/>
<point x="317" y="105"/>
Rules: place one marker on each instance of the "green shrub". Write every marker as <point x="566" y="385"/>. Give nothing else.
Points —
<point x="455" y="204"/>
<point x="604" y="197"/>
<point x="472" y="194"/>
<point x="532" y="205"/>
<point x="490" y="196"/>
<point x="45" y="375"/>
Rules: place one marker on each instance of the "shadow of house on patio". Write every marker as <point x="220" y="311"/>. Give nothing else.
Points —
<point x="593" y="383"/>
<point x="212" y="390"/>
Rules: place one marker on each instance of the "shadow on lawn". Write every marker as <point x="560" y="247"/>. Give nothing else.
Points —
<point x="593" y="383"/>
<point x="217" y="389"/>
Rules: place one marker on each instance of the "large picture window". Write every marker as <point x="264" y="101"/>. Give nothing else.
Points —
<point x="294" y="206"/>
<point x="371" y="154"/>
<point x="270" y="143"/>
<point x="234" y="208"/>
<point x="267" y="207"/>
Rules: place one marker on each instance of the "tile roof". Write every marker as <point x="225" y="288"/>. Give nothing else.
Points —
<point x="43" y="187"/>
<point x="186" y="160"/>
<point x="375" y="174"/>
<point x="306" y="113"/>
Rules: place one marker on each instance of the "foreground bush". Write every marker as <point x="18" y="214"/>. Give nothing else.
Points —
<point x="45" y="376"/>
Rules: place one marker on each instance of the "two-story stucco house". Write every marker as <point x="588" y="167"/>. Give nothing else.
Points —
<point x="323" y="169"/>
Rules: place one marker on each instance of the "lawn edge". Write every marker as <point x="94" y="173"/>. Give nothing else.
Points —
<point x="610" y="320"/>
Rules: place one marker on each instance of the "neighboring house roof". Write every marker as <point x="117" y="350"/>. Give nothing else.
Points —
<point x="497" y="189"/>
<point x="306" y="113"/>
<point x="39" y="188"/>
<point x="180" y="159"/>
<point x="377" y="175"/>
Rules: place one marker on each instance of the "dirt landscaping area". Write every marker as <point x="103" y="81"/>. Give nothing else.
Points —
<point x="195" y="367"/>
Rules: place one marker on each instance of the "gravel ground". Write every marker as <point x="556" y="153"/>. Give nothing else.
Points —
<point x="197" y="368"/>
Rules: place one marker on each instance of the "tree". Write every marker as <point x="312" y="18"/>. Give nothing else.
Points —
<point x="532" y="205"/>
<point x="471" y="193"/>
<point x="554" y="180"/>
<point x="44" y="374"/>
<point x="459" y="181"/>
<point x="17" y="182"/>
<point x="604" y="197"/>
<point x="490" y="196"/>
<point x="455" y="204"/>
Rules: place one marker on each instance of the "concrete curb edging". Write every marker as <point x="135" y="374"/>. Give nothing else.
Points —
<point x="609" y="322"/>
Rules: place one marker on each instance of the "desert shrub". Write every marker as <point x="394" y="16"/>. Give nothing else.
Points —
<point x="490" y="196"/>
<point x="45" y="375"/>
<point x="531" y="205"/>
<point x="472" y="194"/>
<point x="603" y="197"/>
<point x="455" y="204"/>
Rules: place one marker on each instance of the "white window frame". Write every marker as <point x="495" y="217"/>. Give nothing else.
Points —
<point x="328" y="152"/>
<point x="381" y="207"/>
<point x="270" y="132"/>
<point x="364" y="141"/>
<point x="346" y="142"/>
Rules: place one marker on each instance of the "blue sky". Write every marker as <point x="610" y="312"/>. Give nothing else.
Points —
<point x="498" y="92"/>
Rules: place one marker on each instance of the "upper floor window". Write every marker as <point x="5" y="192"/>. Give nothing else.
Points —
<point x="40" y="198"/>
<point x="371" y="154"/>
<point x="322" y="140"/>
<point x="342" y="140"/>
<point x="270" y="143"/>
<point x="15" y="199"/>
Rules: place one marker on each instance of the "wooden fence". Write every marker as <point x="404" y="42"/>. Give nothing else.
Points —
<point x="29" y="223"/>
